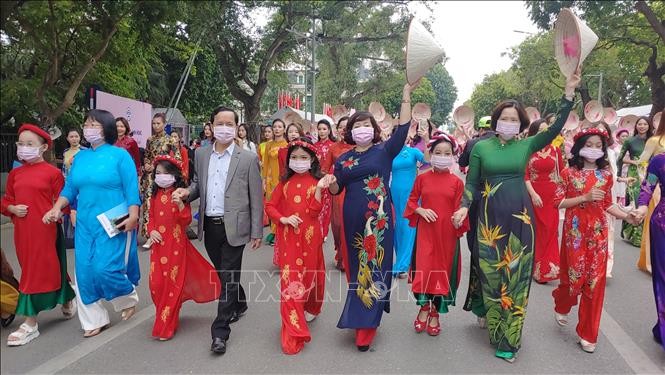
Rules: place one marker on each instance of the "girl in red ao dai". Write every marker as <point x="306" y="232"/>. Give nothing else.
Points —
<point x="436" y="263"/>
<point x="295" y="205"/>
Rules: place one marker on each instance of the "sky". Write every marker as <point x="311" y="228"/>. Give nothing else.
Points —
<point x="474" y="34"/>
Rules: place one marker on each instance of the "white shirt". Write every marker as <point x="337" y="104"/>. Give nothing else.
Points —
<point x="218" y="170"/>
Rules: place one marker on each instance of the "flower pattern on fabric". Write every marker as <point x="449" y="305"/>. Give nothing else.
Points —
<point x="350" y="162"/>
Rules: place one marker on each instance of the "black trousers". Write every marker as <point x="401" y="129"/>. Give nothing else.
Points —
<point x="227" y="260"/>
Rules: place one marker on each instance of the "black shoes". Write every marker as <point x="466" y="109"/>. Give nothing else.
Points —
<point x="238" y="314"/>
<point x="363" y="348"/>
<point x="218" y="346"/>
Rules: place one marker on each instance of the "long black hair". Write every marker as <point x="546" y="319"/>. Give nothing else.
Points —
<point x="331" y="135"/>
<point x="578" y="162"/>
<point x="315" y="169"/>
<point x="170" y="169"/>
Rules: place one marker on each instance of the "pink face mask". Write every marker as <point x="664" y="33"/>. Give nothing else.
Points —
<point x="363" y="135"/>
<point x="591" y="153"/>
<point x="28" y="153"/>
<point x="224" y="134"/>
<point x="441" y="161"/>
<point x="300" y="166"/>
<point x="164" y="180"/>
<point x="507" y="130"/>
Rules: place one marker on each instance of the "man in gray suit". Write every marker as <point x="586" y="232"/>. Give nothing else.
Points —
<point x="227" y="181"/>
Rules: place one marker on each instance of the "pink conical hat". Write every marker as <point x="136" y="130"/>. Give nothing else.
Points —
<point x="463" y="115"/>
<point x="593" y="111"/>
<point x="609" y="115"/>
<point x="628" y="122"/>
<point x="377" y="110"/>
<point x="422" y="52"/>
<point x="533" y="112"/>
<point x="573" y="41"/>
<point x="421" y="111"/>
<point x="572" y="122"/>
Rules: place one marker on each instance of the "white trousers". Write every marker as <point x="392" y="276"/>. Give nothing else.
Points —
<point x="95" y="315"/>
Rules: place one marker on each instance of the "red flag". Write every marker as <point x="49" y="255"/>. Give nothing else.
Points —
<point x="328" y="110"/>
<point x="289" y="100"/>
<point x="298" y="101"/>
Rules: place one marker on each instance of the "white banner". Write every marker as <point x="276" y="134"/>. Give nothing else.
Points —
<point x="139" y="114"/>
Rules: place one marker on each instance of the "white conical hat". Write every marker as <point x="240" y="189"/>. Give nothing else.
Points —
<point x="291" y="117"/>
<point x="421" y="111"/>
<point x="422" y="52"/>
<point x="656" y="120"/>
<point x="628" y="122"/>
<point x="377" y="110"/>
<point x="573" y="41"/>
<point x="609" y="115"/>
<point x="533" y="112"/>
<point x="593" y="111"/>
<point x="572" y="122"/>
<point x="463" y="115"/>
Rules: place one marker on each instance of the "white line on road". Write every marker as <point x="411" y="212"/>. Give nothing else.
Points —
<point x="631" y="353"/>
<point x="90" y="345"/>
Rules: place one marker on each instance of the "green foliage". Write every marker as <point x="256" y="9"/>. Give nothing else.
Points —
<point x="445" y="91"/>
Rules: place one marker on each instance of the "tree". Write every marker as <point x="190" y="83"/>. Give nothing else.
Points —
<point x="445" y="91"/>
<point x="635" y="28"/>
<point x="50" y="47"/>
<point x="493" y="89"/>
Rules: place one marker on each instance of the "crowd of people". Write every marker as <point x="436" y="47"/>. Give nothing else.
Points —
<point x="397" y="204"/>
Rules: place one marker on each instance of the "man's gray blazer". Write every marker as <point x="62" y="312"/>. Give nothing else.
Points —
<point x="243" y="198"/>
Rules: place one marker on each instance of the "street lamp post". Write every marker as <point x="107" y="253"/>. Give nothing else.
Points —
<point x="600" y="84"/>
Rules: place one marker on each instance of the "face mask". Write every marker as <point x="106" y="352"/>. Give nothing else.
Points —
<point x="507" y="130"/>
<point x="164" y="180"/>
<point x="93" y="136"/>
<point x="28" y="153"/>
<point x="591" y="153"/>
<point x="300" y="166"/>
<point x="441" y="162"/>
<point x="224" y="134"/>
<point x="363" y="136"/>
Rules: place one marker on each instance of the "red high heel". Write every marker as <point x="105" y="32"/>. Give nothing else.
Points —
<point x="433" y="331"/>
<point x="421" y="325"/>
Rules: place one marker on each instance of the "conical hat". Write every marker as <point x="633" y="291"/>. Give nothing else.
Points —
<point x="463" y="115"/>
<point x="573" y="41"/>
<point x="339" y="111"/>
<point x="291" y="117"/>
<point x="572" y="122"/>
<point x="422" y="52"/>
<point x="628" y="122"/>
<point x="377" y="110"/>
<point x="656" y="120"/>
<point x="609" y="115"/>
<point x="533" y="112"/>
<point x="593" y="111"/>
<point x="421" y="111"/>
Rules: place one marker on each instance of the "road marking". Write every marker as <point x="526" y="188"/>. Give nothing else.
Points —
<point x="638" y="361"/>
<point x="88" y="346"/>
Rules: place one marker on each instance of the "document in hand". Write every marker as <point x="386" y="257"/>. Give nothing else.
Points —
<point x="111" y="218"/>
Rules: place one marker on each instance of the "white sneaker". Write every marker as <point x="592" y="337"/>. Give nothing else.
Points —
<point x="587" y="346"/>
<point x="561" y="319"/>
<point x="309" y="317"/>
<point x="482" y="322"/>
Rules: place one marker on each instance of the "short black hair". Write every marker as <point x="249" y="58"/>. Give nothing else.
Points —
<point x="521" y="113"/>
<point x="361" y="116"/>
<point x="109" y="130"/>
<point x="315" y="169"/>
<point x="577" y="161"/>
<point x="221" y="108"/>
<point x="170" y="169"/>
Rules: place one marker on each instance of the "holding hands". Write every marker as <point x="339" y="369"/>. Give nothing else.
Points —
<point x="292" y="220"/>
<point x="459" y="216"/>
<point x="51" y="216"/>
<point x="594" y="195"/>
<point x="429" y="215"/>
<point x="326" y="181"/>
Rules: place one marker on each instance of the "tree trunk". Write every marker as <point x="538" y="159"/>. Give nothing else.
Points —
<point x="655" y="75"/>
<point x="584" y="93"/>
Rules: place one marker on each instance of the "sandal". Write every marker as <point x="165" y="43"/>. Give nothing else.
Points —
<point x="561" y="319"/>
<point x="421" y="325"/>
<point x="24" y="334"/>
<point x="94" y="332"/>
<point x="433" y="330"/>
<point x="70" y="311"/>
<point x="128" y="312"/>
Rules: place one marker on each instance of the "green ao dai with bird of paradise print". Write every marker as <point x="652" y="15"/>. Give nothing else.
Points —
<point x="505" y="231"/>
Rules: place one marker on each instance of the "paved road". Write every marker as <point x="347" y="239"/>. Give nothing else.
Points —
<point x="625" y="345"/>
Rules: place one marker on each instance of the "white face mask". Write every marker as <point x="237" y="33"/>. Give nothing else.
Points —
<point x="591" y="153"/>
<point x="300" y="166"/>
<point x="224" y="134"/>
<point x="442" y="161"/>
<point x="28" y="153"/>
<point x="93" y="136"/>
<point x="164" y="180"/>
<point x="507" y="130"/>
